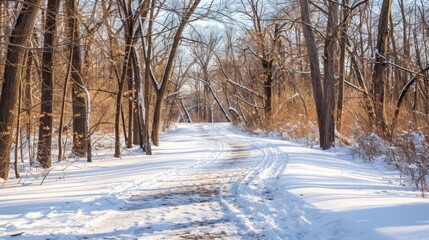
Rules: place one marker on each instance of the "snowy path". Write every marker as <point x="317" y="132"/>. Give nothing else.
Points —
<point x="214" y="200"/>
<point x="212" y="181"/>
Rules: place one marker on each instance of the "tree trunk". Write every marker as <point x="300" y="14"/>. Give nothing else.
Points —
<point x="44" y="147"/>
<point x="342" y="62"/>
<point x="79" y="104"/>
<point x="140" y="124"/>
<point x="168" y="70"/>
<point x="130" y="94"/>
<point x="18" y="131"/>
<point x="27" y="103"/>
<point x="157" y="119"/>
<point x="378" y="77"/>
<point x="14" y="60"/>
<point x="147" y="78"/>
<point x="315" y="73"/>
<point x="329" y="70"/>
<point x="119" y="105"/>
<point x="122" y="81"/>
<point x="268" y="88"/>
<point x="63" y="106"/>
<point x="401" y="97"/>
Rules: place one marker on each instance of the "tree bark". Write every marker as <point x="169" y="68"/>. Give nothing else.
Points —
<point x="130" y="106"/>
<point x="342" y="62"/>
<point x="63" y="106"/>
<point x="18" y="132"/>
<point x="122" y="81"/>
<point x="14" y="60"/>
<point x="378" y="77"/>
<point x="314" y="72"/>
<point x="27" y="104"/>
<point x="79" y="103"/>
<point x="140" y="123"/>
<point x="329" y="70"/>
<point x="44" y="147"/>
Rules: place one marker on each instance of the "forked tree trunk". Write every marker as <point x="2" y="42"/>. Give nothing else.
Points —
<point x="168" y="70"/>
<point x="324" y="98"/>
<point x="14" y="61"/>
<point x="44" y="147"/>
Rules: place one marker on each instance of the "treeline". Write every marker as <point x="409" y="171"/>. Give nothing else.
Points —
<point x="86" y="62"/>
<point x="133" y="67"/>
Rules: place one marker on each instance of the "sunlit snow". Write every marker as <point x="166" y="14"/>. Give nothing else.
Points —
<point x="213" y="181"/>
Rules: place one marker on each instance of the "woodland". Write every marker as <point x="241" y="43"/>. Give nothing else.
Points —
<point x="332" y="72"/>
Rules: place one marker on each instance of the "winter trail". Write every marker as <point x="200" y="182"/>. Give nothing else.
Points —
<point x="204" y="202"/>
<point x="213" y="181"/>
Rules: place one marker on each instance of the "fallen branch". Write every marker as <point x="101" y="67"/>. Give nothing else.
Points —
<point x="17" y="234"/>
<point x="342" y="138"/>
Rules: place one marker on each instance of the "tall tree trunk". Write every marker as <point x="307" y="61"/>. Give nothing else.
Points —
<point x="268" y="88"/>
<point x="125" y="66"/>
<point x="315" y="72"/>
<point x="140" y="124"/>
<point x="63" y="106"/>
<point x="206" y="98"/>
<point x="329" y="70"/>
<point x="27" y="103"/>
<point x="136" y="123"/>
<point x="18" y="131"/>
<point x="44" y="153"/>
<point x="157" y="119"/>
<point x="147" y="44"/>
<point x="130" y="106"/>
<point x="342" y="62"/>
<point x="14" y="60"/>
<point x="378" y="77"/>
<point x="79" y="104"/>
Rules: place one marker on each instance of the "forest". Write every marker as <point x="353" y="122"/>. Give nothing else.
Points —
<point x="351" y="72"/>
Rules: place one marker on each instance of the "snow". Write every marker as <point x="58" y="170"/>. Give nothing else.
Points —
<point x="213" y="181"/>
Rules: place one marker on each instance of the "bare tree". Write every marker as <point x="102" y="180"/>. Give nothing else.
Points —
<point x="14" y="60"/>
<point x="45" y="128"/>
<point x="329" y="67"/>
<point x="79" y="91"/>
<point x="324" y="97"/>
<point x="161" y="86"/>
<point x="203" y="52"/>
<point x="379" y="72"/>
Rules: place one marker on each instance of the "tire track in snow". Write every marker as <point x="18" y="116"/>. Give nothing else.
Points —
<point x="252" y="205"/>
<point x="229" y="194"/>
<point x="118" y="198"/>
<point x="261" y="210"/>
<point x="156" y="201"/>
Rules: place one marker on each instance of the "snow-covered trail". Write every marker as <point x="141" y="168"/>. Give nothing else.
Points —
<point x="224" y="197"/>
<point x="212" y="181"/>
